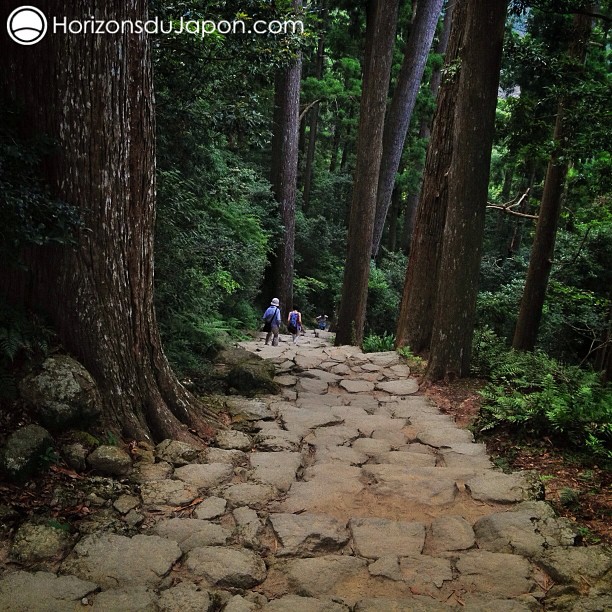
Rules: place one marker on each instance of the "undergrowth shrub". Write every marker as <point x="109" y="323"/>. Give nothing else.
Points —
<point x="22" y="337"/>
<point x="377" y="344"/>
<point x="538" y="396"/>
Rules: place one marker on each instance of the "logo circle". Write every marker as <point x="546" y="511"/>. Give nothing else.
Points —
<point x="27" y="25"/>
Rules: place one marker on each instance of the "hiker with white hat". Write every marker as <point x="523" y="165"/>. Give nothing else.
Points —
<point x="272" y="321"/>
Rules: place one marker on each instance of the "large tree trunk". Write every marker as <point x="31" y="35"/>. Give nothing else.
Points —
<point x="402" y="104"/>
<point x="94" y="96"/>
<point x="285" y="143"/>
<point x="380" y="35"/>
<point x="415" y="321"/>
<point x="542" y="252"/>
<point x="480" y="62"/>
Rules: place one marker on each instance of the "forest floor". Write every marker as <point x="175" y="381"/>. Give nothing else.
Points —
<point x="579" y="491"/>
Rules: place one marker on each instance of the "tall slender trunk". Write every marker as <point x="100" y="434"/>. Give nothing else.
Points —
<point x="412" y="201"/>
<point x="402" y="104"/>
<point x="94" y="96"/>
<point x="283" y="176"/>
<point x="480" y="57"/>
<point x="380" y="35"/>
<point x="542" y="252"/>
<point x="415" y="321"/>
<point x="313" y="123"/>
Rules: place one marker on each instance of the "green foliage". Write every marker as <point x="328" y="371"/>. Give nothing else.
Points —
<point x="539" y="396"/>
<point x="377" y="344"/>
<point x="30" y="215"/>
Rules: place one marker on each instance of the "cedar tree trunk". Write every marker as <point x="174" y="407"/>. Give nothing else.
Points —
<point x="542" y="251"/>
<point x="93" y="94"/>
<point x="398" y="117"/>
<point x="480" y="62"/>
<point x="417" y="309"/>
<point x="285" y="143"/>
<point x="380" y="35"/>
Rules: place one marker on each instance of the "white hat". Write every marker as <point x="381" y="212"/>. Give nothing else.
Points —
<point x="275" y="302"/>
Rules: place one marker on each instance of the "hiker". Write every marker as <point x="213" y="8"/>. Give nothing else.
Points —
<point x="322" y="322"/>
<point x="272" y="321"/>
<point x="294" y="323"/>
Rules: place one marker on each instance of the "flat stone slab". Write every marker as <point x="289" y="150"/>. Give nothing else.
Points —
<point x="246" y="409"/>
<point x="343" y="454"/>
<point x="357" y="386"/>
<point x="324" y="575"/>
<point x="167" y="493"/>
<point x="520" y="533"/>
<point x="276" y="440"/>
<point x="450" y="533"/>
<point x="230" y="439"/>
<point x="205" y="475"/>
<point x="325" y="375"/>
<point x="136" y="599"/>
<point x="313" y="385"/>
<point x="276" y="469"/>
<point x="376" y="537"/>
<point x="226" y="567"/>
<point x="444" y="437"/>
<point x="496" y="487"/>
<point x="579" y="565"/>
<point x="113" y="561"/>
<point x="210" y="508"/>
<point x="406" y="459"/>
<point x="306" y="534"/>
<point x="191" y="533"/>
<point x="249" y="494"/>
<point x="42" y="592"/>
<point x="303" y="420"/>
<point x="417" y="603"/>
<point x="422" y="572"/>
<point x="371" y="447"/>
<point x="221" y="455"/>
<point x="296" y="603"/>
<point x="430" y="486"/>
<point x="285" y="380"/>
<point x="399" y="387"/>
<point x="185" y="597"/>
<point x="384" y="359"/>
<point x="149" y="472"/>
<point x="495" y="573"/>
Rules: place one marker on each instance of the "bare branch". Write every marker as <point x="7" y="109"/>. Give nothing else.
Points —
<point x="303" y="113"/>
<point x="508" y="206"/>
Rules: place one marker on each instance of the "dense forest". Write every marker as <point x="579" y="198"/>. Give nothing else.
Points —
<point x="434" y="176"/>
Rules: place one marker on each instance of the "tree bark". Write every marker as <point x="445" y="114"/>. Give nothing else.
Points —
<point x="412" y="201"/>
<point x="283" y="176"/>
<point x="417" y="309"/>
<point x="474" y="126"/>
<point x="313" y="123"/>
<point x="94" y="96"/>
<point x="380" y="35"/>
<point x="402" y="104"/>
<point x="542" y="252"/>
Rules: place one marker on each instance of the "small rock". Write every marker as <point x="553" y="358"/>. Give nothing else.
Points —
<point x="191" y="533"/>
<point x="110" y="461"/>
<point x="230" y="439"/>
<point x="306" y="534"/>
<point x="178" y="453"/>
<point x="35" y="543"/>
<point x="210" y="508"/>
<point x="125" y="503"/>
<point x="248" y="526"/>
<point x="451" y="533"/>
<point x="377" y="537"/>
<point x="133" y="598"/>
<point x="133" y="519"/>
<point x="23" y="451"/>
<point x="295" y="603"/>
<point x="248" y="494"/>
<point x="75" y="456"/>
<point x="149" y="472"/>
<point x="186" y="597"/>
<point x="167" y="493"/>
<point x="221" y="455"/>
<point x="205" y="475"/>
<point x="357" y="386"/>
<point x="399" y="387"/>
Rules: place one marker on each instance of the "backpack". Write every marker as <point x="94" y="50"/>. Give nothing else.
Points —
<point x="293" y="319"/>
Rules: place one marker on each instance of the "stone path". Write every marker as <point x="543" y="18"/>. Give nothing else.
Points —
<point x="346" y="492"/>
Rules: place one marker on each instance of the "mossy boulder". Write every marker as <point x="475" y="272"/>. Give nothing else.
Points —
<point x="63" y="394"/>
<point x="248" y="374"/>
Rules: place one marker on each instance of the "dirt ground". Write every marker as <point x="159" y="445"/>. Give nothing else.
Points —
<point x="576" y="491"/>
